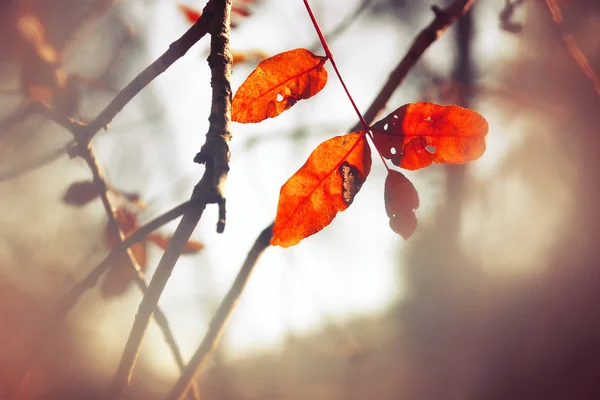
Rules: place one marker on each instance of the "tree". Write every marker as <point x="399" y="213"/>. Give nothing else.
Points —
<point x="60" y="96"/>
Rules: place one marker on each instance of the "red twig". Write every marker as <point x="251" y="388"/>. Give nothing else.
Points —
<point x="333" y="64"/>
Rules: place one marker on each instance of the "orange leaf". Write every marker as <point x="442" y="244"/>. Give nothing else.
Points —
<point x="324" y="185"/>
<point x="191" y="14"/>
<point x="401" y="201"/>
<point x="191" y="247"/>
<point x="415" y="135"/>
<point x="240" y="56"/>
<point x="242" y="11"/>
<point x="278" y="83"/>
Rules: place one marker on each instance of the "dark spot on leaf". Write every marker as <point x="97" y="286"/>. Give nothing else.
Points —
<point x="351" y="183"/>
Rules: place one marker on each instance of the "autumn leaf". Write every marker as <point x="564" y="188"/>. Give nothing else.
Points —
<point x="81" y="193"/>
<point x="415" y="135"/>
<point x="324" y="185"/>
<point x="190" y="14"/>
<point x="249" y="56"/>
<point x="278" y="83"/>
<point x="401" y="201"/>
<point x="191" y="247"/>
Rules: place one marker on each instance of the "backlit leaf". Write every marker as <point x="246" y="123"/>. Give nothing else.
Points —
<point x="324" y="185"/>
<point x="401" y="201"/>
<point x="278" y="83"/>
<point x="415" y="135"/>
<point x="81" y="193"/>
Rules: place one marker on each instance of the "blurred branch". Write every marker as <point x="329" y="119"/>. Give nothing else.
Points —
<point x="571" y="46"/>
<point x="507" y="15"/>
<point x="443" y="19"/>
<point x="210" y="190"/>
<point x="70" y="299"/>
<point x="221" y="316"/>
<point x="342" y="26"/>
<point x="36" y="164"/>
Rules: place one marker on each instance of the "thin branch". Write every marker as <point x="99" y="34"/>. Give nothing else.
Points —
<point x="219" y="320"/>
<point x="571" y="46"/>
<point x="443" y="19"/>
<point x="210" y="190"/>
<point x="36" y="164"/>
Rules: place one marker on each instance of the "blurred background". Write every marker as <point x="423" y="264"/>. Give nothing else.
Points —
<point x="494" y="297"/>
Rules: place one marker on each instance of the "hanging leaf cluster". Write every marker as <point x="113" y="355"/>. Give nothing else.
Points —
<point x="412" y="137"/>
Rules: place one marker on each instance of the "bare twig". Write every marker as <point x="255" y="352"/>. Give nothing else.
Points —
<point x="36" y="164"/>
<point x="342" y="25"/>
<point x="443" y="19"/>
<point x="210" y="190"/>
<point x="571" y="46"/>
<point x="221" y="316"/>
<point x="507" y="15"/>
